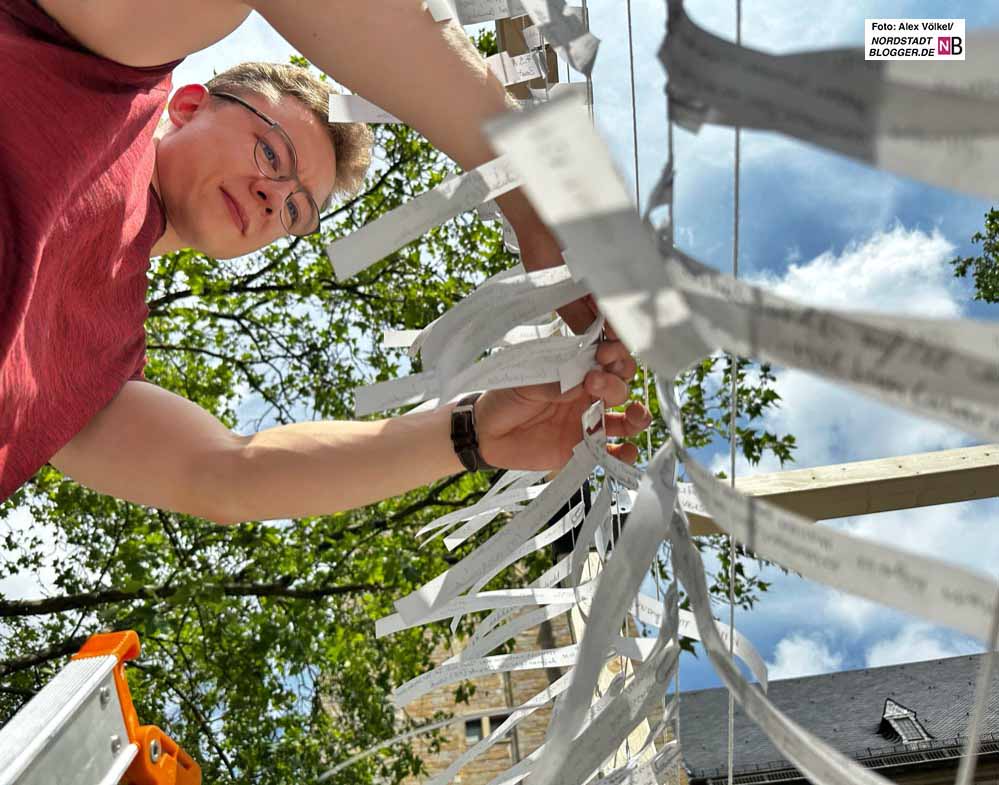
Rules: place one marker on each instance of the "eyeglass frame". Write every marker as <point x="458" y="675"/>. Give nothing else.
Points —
<point x="276" y="126"/>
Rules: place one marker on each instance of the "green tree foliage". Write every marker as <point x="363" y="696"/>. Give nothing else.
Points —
<point x="259" y="653"/>
<point x="984" y="269"/>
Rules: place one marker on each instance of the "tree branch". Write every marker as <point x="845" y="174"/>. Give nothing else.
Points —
<point x="11" y="608"/>
<point x="53" y="652"/>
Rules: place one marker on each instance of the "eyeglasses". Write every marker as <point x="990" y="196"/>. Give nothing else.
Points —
<point x="276" y="159"/>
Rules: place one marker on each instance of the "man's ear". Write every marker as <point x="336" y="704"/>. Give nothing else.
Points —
<point x="185" y="102"/>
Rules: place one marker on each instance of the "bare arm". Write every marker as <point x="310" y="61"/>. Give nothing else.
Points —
<point x="152" y="447"/>
<point x="426" y="73"/>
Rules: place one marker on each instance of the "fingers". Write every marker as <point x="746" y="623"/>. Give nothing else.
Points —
<point x="615" y="358"/>
<point x="610" y="381"/>
<point x="635" y="419"/>
<point x="610" y="388"/>
<point x="626" y="452"/>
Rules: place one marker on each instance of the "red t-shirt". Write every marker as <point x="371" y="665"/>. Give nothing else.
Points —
<point x="78" y="219"/>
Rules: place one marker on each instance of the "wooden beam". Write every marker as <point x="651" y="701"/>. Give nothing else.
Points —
<point x="862" y="487"/>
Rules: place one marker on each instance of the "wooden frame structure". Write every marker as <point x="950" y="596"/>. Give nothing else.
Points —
<point x="862" y="487"/>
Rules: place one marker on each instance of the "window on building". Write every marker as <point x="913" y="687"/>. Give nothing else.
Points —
<point x="901" y="723"/>
<point x="496" y="720"/>
<point x="909" y="729"/>
<point x="474" y="731"/>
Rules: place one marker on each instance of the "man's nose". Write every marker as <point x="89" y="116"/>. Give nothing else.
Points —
<point x="270" y="194"/>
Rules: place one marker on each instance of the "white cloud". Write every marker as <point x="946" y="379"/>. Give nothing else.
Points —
<point x="897" y="271"/>
<point x="916" y="642"/>
<point x="803" y="655"/>
<point x="853" y="613"/>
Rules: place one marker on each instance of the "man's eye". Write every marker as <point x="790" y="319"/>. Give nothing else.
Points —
<point x="293" y="212"/>
<point x="270" y="155"/>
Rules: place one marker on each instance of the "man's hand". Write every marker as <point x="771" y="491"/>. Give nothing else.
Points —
<point x="536" y="427"/>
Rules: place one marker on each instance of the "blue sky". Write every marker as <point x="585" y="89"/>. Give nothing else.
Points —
<point x="818" y="227"/>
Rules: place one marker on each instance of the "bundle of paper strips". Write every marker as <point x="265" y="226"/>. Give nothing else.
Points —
<point x="672" y="311"/>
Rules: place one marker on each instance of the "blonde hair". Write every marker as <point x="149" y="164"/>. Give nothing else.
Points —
<point x="351" y="141"/>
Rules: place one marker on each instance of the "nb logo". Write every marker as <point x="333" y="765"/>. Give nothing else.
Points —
<point x="949" y="45"/>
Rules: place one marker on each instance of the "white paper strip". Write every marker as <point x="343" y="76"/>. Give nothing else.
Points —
<point x="459" y="337"/>
<point x="616" y="722"/>
<point x="943" y="593"/>
<point x="395" y="393"/>
<point x="619" y="584"/>
<point x="545" y="360"/>
<point x="443" y="675"/>
<point x="595" y="518"/>
<point x="820" y="763"/>
<point x="649" y="612"/>
<point x="905" y="117"/>
<point x="521" y="713"/>
<point x="533" y="40"/>
<point x="947" y="594"/>
<point x="670" y="329"/>
<point x="488" y="503"/>
<point x="654" y="772"/>
<point x="399" y="339"/>
<point x="557" y="359"/>
<point x="548" y="536"/>
<point x="595" y="438"/>
<point x="550" y="578"/>
<point x="474" y="525"/>
<point x="505" y="632"/>
<point x="472" y="12"/>
<point x="483" y="560"/>
<point x="390" y="232"/>
<point x="516" y="269"/>
<point x="566" y="31"/>
<point x="487" y="601"/>
<point x="440" y="10"/>
<point x="563" y="657"/>
<point x="514" y="69"/>
<point x="519" y="771"/>
<point x="532" y="332"/>
<point x="689" y="500"/>
<point x="489" y="211"/>
<point x="884" y="359"/>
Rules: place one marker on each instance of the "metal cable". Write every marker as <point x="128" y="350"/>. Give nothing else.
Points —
<point x="733" y="413"/>
<point x="672" y="240"/>
<point x="589" y="79"/>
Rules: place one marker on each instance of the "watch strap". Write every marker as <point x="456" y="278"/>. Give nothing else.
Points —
<point x="464" y="438"/>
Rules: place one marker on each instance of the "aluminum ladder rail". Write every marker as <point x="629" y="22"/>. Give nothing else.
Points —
<point x="82" y="729"/>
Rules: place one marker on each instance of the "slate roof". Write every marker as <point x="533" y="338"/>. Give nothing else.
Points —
<point x="844" y="709"/>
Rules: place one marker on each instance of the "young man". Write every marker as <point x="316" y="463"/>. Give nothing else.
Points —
<point x="83" y="84"/>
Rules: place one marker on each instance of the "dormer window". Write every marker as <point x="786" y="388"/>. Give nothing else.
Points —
<point x="901" y="724"/>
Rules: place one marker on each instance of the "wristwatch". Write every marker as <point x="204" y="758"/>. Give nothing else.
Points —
<point x="463" y="436"/>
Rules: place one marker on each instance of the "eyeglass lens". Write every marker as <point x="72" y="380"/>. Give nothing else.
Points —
<point x="276" y="159"/>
